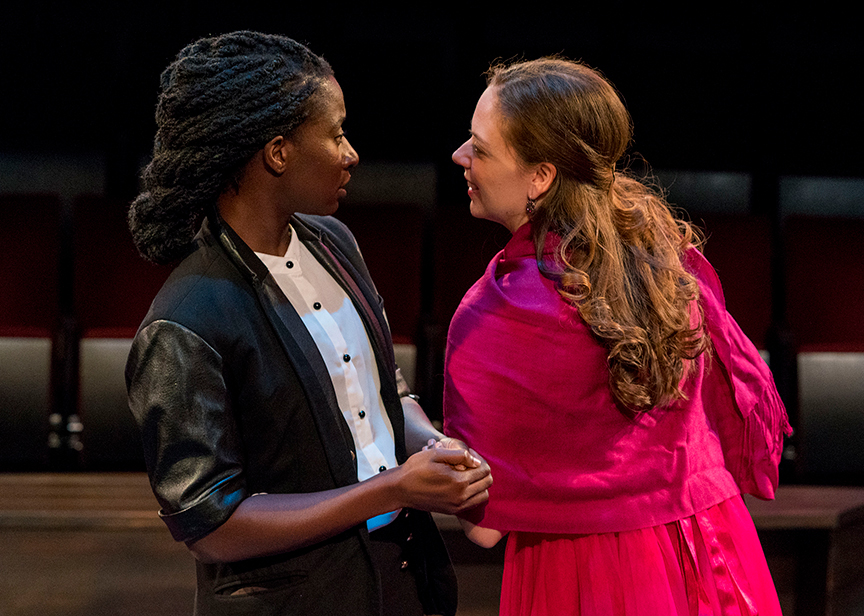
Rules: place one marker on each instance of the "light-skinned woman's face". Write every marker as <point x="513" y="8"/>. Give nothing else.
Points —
<point x="498" y="185"/>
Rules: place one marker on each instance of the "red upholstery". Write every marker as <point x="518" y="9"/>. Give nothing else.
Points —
<point x="739" y="248"/>
<point x="29" y="280"/>
<point x="825" y="282"/>
<point x="391" y="240"/>
<point x="113" y="284"/>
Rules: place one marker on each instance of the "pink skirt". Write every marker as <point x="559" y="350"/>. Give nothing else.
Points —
<point x="710" y="563"/>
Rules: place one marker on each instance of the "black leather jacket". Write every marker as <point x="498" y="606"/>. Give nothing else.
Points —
<point x="233" y="398"/>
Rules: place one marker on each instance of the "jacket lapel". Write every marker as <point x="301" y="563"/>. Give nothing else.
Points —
<point x="343" y="272"/>
<point x="303" y="354"/>
<point x="365" y="300"/>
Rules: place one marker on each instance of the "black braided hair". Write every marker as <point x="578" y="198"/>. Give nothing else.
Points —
<point x="220" y="101"/>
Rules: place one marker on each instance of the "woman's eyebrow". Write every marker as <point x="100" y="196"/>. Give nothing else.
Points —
<point x="476" y="137"/>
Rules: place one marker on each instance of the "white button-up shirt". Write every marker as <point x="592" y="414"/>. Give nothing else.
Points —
<point x="341" y="338"/>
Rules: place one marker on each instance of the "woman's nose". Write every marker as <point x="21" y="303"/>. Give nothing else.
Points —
<point x="351" y="156"/>
<point x="461" y="156"/>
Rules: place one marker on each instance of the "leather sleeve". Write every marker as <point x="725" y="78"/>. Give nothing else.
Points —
<point x="178" y="396"/>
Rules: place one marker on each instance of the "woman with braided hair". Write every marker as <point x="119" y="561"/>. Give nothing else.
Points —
<point x="594" y="366"/>
<point x="282" y="443"/>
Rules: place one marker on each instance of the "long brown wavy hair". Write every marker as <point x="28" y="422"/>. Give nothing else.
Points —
<point x="619" y="258"/>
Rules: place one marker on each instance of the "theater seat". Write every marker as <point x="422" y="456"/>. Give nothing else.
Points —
<point x="111" y="438"/>
<point x="831" y="417"/>
<point x="825" y="280"/>
<point x="739" y="248"/>
<point x="113" y="290"/>
<point x="29" y="315"/>
<point x="25" y="369"/>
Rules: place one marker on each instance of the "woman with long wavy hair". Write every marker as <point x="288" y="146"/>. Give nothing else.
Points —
<point x="594" y="366"/>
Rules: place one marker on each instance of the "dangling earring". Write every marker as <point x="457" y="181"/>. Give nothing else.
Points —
<point x="530" y="206"/>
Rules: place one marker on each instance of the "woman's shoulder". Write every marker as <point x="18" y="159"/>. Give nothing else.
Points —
<point x="204" y="288"/>
<point x="710" y="288"/>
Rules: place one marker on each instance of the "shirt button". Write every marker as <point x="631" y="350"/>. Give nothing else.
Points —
<point x="382" y="468"/>
<point x="362" y="414"/>
<point x="289" y="264"/>
<point x="346" y="358"/>
<point x="404" y="565"/>
<point x="317" y="305"/>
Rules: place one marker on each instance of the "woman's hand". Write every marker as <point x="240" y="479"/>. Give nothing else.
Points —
<point x="448" y="442"/>
<point x="277" y="523"/>
<point x="484" y="537"/>
<point x="442" y="479"/>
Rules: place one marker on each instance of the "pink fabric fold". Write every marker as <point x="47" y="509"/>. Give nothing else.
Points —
<point x="708" y="564"/>
<point x="526" y="385"/>
<point x="752" y="437"/>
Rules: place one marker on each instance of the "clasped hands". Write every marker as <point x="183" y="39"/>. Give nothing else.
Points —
<point x="445" y="477"/>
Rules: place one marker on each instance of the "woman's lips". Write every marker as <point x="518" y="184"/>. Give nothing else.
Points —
<point x="472" y="189"/>
<point x="343" y="192"/>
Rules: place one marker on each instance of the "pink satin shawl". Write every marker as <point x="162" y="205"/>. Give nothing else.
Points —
<point x="526" y="385"/>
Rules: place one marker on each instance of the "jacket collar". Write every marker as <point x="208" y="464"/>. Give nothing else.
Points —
<point x="298" y="344"/>
<point x="254" y="270"/>
<point x="295" y="338"/>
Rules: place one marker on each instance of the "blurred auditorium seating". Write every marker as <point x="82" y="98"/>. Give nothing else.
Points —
<point x="831" y="417"/>
<point x="113" y="290"/>
<point x="718" y="192"/>
<point x="25" y="401"/>
<point x="29" y="318"/>
<point x="464" y="245"/>
<point x="423" y="255"/>
<point x="825" y="300"/>
<point x="825" y="281"/>
<point x="738" y="243"/>
<point x="391" y="239"/>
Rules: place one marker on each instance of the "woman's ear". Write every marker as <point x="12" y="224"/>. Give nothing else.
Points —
<point x="276" y="155"/>
<point x="541" y="181"/>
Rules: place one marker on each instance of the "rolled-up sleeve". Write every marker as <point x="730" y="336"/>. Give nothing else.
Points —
<point x="178" y="396"/>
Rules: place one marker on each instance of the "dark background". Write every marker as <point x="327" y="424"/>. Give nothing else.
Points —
<point x="757" y="95"/>
<point x="709" y="88"/>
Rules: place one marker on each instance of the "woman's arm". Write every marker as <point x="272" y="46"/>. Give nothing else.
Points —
<point x="419" y="431"/>
<point x="484" y="537"/>
<point x="172" y="406"/>
<point x="274" y="523"/>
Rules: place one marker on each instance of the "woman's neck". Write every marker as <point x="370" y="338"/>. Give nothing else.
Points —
<point x="256" y="219"/>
